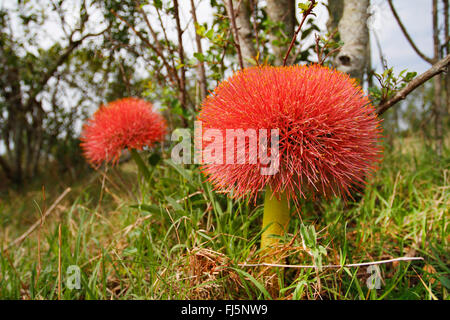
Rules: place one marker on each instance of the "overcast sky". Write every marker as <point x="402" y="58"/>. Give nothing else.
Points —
<point x="416" y="16"/>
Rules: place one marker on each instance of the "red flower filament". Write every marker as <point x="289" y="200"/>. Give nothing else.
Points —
<point x="328" y="130"/>
<point x="126" y="123"/>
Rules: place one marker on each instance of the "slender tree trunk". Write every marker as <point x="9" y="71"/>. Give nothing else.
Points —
<point x="245" y="30"/>
<point x="6" y="168"/>
<point x="30" y="133"/>
<point x="201" y="66"/>
<point x="236" y="38"/>
<point x="353" y="30"/>
<point x="183" y="97"/>
<point x="18" y="148"/>
<point x="37" y="147"/>
<point x="282" y="11"/>
<point x="437" y="103"/>
<point x="447" y="51"/>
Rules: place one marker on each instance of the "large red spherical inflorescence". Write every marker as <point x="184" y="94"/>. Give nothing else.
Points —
<point x="328" y="131"/>
<point x="126" y="123"/>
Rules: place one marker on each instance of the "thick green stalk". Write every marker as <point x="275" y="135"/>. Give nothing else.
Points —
<point x="276" y="218"/>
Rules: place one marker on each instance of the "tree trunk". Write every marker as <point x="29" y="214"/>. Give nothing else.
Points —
<point x="447" y="51"/>
<point x="335" y="11"/>
<point x="353" y="30"/>
<point x="182" y="94"/>
<point x="6" y="168"/>
<point x="18" y="149"/>
<point x="201" y="65"/>
<point x="437" y="103"/>
<point x="282" y="11"/>
<point x="245" y="30"/>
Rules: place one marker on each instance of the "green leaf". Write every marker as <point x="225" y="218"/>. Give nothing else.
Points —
<point x="183" y="172"/>
<point x="210" y="34"/>
<point x="140" y="163"/>
<point x="255" y="282"/>
<point x="151" y="208"/>
<point x="129" y="251"/>
<point x="158" y="4"/>
<point x="174" y="204"/>
<point x="303" y="6"/>
<point x="200" y="30"/>
<point x="200" y="57"/>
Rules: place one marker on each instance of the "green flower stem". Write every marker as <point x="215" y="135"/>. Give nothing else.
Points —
<point x="140" y="163"/>
<point x="275" y="219"/>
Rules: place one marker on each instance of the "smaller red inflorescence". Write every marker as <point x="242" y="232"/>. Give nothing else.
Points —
<point x="126" y="123"/>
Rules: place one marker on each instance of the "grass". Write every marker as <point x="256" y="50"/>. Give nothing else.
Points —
<point x="174" y="238"/>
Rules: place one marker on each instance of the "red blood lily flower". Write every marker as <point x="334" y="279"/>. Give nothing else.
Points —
<point x="126" y="123"/>
<point x="328" y="131"/>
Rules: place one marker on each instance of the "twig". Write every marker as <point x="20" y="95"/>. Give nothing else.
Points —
<point x="172" y="74"/>
<point x="235" y="33"/>
<point x="73" y="44"/>
<point x="326" y="45"/>
<point x="425" y="285"/>
<point x="124" y="77"/>
<point x="38" y="223"/>
<point x="306" y="13"/>
<point x="329" y="266"/>
<point x="167" y="42"/>
<point x="380" y="51"/>
<point x="437" y="68"/>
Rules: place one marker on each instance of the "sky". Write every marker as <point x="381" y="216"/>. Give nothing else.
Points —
<point x="417" y="19"/>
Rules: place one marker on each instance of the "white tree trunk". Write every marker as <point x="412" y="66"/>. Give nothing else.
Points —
<point x="246" y="33"/>
<point x="353" y="30"/>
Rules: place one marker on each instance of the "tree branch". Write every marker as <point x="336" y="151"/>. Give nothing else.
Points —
<point x="235" y="33"/>
<point x="437" y="68"/>
<point x="405" y="32"/>
<point x="171" y="71"/>
<point x="73" y="44"/>
<point x="306" y="13"/>
<point x="172" y="75"/>
<point x="201" y="66"/>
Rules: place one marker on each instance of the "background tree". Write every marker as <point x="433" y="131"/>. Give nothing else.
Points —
<point x="36" y="82"/>
<point x="440" y="50"/>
